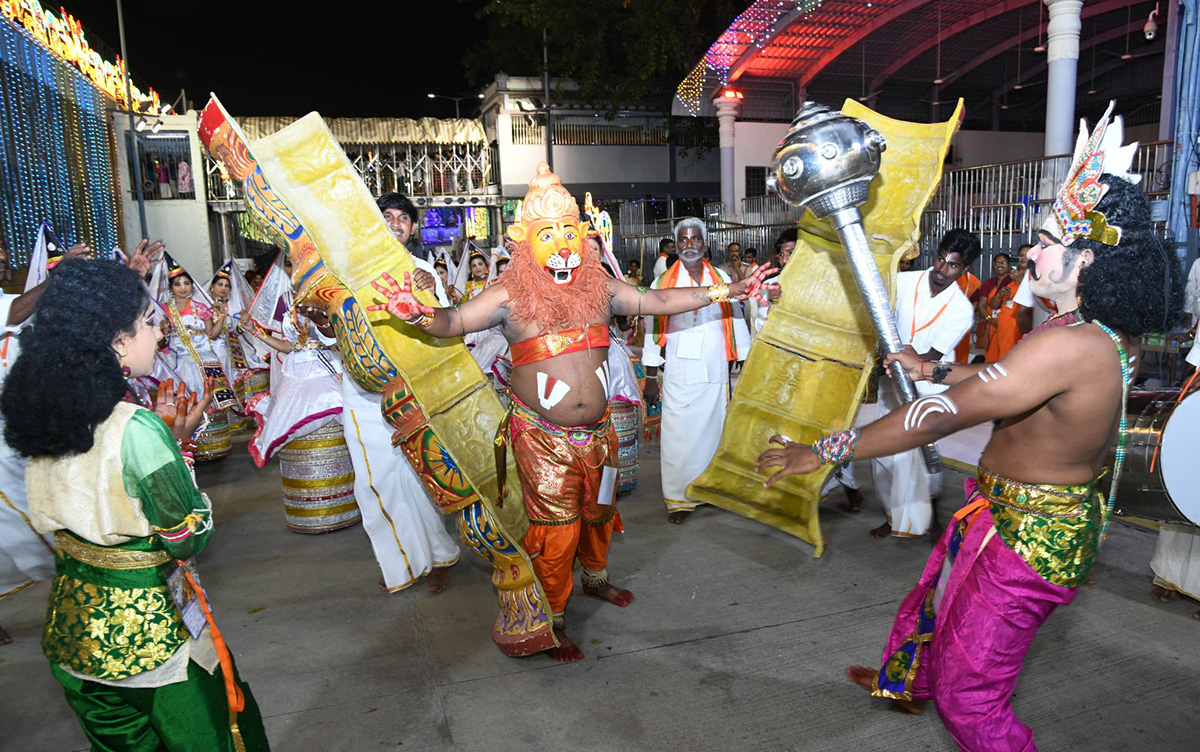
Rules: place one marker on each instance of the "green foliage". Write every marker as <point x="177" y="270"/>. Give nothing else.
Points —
<point x="619" y="52"/>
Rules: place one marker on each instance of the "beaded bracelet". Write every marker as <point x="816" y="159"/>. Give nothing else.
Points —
<point x="940" y="372"/>
<point x="836" y="448"/>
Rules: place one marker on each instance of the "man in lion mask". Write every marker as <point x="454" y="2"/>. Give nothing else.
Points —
<point x="553" y="305"/>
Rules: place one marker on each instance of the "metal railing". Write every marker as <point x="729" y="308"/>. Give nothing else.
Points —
<point x="1005" y="203"/>
<point x="425" y="169"/>
<point x="581" y="130"/>
<point x="1030" y="181"/>
<point x="768" y="210"/>
<point x="409" y="169"/>
<point x="526" y="131"/>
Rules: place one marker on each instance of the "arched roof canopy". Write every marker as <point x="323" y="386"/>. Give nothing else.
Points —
<point x="779" y="52"/>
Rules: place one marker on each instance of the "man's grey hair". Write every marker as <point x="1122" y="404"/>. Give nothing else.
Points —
<point x="694" y="222"/>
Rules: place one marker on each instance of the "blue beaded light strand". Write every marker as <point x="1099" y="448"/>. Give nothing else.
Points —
<point x="55" y="129"/>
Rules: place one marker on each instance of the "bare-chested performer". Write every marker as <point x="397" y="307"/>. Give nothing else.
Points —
<point x="1028" y="536"/>
<point x="553" y="305"/>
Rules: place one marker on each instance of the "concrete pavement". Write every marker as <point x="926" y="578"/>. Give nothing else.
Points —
<point x="737" y="640"/>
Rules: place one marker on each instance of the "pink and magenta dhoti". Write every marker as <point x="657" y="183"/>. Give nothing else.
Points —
<point x="1012" y="555"/>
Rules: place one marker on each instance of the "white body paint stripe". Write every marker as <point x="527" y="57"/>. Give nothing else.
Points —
<point x="923" y="408"/>
<point x="556" y="393"/>
<point x="602" y="374"/>
<point x="995" y="371"/>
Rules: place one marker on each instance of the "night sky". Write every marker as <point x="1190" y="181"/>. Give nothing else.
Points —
<point x="352" y="58"/>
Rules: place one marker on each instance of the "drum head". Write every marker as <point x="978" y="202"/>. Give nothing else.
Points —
<point x="1180" y="468"/>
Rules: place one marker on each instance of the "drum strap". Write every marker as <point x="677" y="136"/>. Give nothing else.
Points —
<point x="1123" y="431"/>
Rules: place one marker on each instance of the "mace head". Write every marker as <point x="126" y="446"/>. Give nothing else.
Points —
<point x="826" y="161"/>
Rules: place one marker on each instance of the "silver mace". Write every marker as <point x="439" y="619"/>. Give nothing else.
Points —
<point x="825" y="164"/>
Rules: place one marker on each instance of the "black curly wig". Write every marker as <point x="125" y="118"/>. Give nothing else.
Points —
<point x="1136" y="286"/>
<point x="67" y="378"/>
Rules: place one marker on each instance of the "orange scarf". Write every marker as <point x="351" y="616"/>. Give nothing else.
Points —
<point x="669" y="278"/>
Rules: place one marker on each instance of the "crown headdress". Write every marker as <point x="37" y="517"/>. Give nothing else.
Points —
<point x="547" y="199"/>
<point x="1074" y="213"/>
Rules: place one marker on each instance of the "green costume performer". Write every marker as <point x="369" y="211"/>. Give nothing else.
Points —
<point x="122" y="513"/>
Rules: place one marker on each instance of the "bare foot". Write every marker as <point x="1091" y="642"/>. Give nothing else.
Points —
<point x="438" y="579"/>
<point x="1194" y="616"/>
<point x="865" y="678"/>
<point x="614" y="595"/>
<point x="935" y="533"/>
<point x="854" y="500"/>
<point x="5" y="639"/>
<point x="382" y="584"/>
<point x="882" y="531"/>
<point x="1163" y="595"/>
<point x="677" y="518"/>
<point x="862" y="676"/>
<point x="566" y="652"/>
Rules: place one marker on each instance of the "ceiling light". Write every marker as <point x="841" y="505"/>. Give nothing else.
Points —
<point x="939" y="81"/>
<point x="140" y="125"/>
<point x="165" y="109"/>
<point x="1018" y="87"/>
<point x="156" y="127"/>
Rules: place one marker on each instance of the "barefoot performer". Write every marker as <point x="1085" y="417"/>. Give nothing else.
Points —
<point x="553" y="304"/>
<point x="1028" y="536"/>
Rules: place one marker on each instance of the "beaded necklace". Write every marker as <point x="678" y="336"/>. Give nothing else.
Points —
<point x="1123" y="432"/>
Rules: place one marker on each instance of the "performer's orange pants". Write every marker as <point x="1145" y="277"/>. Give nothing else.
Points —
<point x="561" y="471"/>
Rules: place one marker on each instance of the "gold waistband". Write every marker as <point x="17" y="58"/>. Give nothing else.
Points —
<point x="1042" y="500"/>
<point x="105" y="557"/>
<point x="1055" y="529"/>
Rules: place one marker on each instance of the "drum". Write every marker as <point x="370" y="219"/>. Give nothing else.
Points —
<point x="625" y="423"/>
<point x="318" y="482"/>
<point x="1161" y="477"/>
<point x="255" y="383"/>
<point x="214" y="442"/>
<point x="252" y="383"/>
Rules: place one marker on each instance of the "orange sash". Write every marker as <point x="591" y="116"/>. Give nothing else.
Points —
<point x="669" y="278"/>
<point x="561" y="342"/>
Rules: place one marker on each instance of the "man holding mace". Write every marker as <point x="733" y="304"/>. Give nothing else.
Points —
<point x="1028" y="536"/>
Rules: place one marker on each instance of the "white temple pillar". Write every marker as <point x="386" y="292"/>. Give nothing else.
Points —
<point x="727" y="102"/>
<point x="1062" y="55"/>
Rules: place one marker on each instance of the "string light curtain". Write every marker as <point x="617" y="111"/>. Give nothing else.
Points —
<point x="57" y="151"/>
<point x="752" y="28"/>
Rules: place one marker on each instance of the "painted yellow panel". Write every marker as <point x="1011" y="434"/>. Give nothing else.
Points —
<point x="808" y="368"/>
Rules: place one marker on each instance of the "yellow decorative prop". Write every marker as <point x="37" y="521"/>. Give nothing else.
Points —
<point x="807" y="370"/>
<point x="300" y="185"/>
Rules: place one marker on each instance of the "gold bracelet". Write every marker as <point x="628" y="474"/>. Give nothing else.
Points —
<point x="421" y="321"/>
<point x="718" y="293"/>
